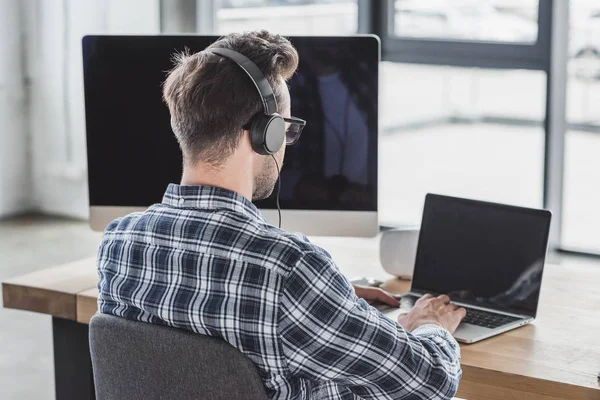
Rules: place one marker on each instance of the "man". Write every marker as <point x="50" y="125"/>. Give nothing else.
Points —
<point x="205" y="260"/>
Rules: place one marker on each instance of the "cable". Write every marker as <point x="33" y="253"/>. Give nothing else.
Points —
<point x="278" y="188"/>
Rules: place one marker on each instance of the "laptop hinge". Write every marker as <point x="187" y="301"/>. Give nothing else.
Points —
<point x="418" y="292"/>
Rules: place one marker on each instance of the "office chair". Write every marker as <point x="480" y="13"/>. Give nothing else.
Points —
<point x="136" y="360"/>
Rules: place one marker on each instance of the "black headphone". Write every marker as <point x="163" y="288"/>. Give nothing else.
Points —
<point x="267" y="130"/>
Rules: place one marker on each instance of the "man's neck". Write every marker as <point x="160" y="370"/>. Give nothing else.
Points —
<point x="235" y="175"/>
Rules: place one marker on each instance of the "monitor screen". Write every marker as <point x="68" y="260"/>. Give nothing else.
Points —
<point x="482" y="253"/>
<point x="133" y="154"/>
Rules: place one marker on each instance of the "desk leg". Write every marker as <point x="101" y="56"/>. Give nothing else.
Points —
<point x="73" y="377"/>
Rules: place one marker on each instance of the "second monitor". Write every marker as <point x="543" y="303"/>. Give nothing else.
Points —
<point x="329" y="178"/>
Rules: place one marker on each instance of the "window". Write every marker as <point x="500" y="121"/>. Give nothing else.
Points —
<point x="465" y="132"/>
<point x="473" y="20"/>
<point x="463" y="99"/>
<point x="290" y="17"/>
<point x="581" y="216"/>
<point x="463" y="106"/>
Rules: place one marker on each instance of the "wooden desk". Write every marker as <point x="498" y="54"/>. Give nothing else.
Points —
<point x="556" y="357"/>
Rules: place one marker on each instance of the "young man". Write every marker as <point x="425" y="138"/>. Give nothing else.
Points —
<point x="206" y="261"/>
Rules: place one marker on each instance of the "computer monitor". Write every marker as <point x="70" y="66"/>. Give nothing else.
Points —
<point x="329" y="178"/>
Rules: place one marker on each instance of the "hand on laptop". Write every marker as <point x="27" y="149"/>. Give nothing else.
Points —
<point x="433" y="310"/>
<point x="375" y="295"/>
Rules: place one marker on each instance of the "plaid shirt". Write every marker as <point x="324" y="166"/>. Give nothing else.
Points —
<point x="206" y="261"/>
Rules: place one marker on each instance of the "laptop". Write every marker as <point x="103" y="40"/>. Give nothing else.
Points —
<point x="489" y="258"/>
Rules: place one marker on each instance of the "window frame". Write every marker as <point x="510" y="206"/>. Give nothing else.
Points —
<point x="463" y="53"/>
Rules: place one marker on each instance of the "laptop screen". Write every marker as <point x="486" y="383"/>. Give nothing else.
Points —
<point x="481" y="253"/>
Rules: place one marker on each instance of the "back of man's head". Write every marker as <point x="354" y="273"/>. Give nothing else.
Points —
<point x="211" y="98"/>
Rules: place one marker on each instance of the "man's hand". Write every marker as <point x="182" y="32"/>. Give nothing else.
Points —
<point x="375" y="295"/>
<point x="433" y="310"/>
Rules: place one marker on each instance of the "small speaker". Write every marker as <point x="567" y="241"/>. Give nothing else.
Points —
<point x="398" y="250"/>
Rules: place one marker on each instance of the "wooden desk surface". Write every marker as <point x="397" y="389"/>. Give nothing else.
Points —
<point x="51" y="291"/>
<point x="556" y="357"/>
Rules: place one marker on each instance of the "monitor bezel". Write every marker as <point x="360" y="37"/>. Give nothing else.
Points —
<point x="309" y="223"/>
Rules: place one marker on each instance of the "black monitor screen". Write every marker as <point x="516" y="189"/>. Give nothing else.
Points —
<point x="133" y="154"/>
<point x="481" y="253"/>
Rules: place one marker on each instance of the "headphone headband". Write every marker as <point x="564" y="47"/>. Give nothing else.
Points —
<point x="258" y="78"/>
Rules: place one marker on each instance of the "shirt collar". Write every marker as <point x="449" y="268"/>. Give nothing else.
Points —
<point x="209" y="198"/>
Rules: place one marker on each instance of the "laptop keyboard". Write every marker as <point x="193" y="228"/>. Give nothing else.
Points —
<point x="474" y="316"/>
<point x="487" y="319"/>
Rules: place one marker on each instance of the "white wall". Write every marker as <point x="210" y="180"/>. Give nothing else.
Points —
<point x="15" y="182"/>
<point x="57" y="115"/>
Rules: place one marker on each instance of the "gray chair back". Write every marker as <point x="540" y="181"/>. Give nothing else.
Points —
<point x="136" y="360"/>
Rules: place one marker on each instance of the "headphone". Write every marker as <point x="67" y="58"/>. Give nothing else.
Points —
<point x="267" y="129"/>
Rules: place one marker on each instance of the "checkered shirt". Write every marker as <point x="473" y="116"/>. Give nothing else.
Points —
<point x="206" y="261"/>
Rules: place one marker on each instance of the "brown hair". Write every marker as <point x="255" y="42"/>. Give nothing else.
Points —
<point x="211" y="98"/>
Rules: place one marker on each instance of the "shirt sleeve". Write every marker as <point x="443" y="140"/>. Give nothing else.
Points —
<point x="328" y="334"/>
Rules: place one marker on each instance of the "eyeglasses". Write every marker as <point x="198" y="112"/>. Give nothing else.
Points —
<point x="293" y="130"/>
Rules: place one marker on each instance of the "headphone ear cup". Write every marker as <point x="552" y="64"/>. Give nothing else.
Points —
<point x="257" y="134"/>
<point x="267" y="134"/>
